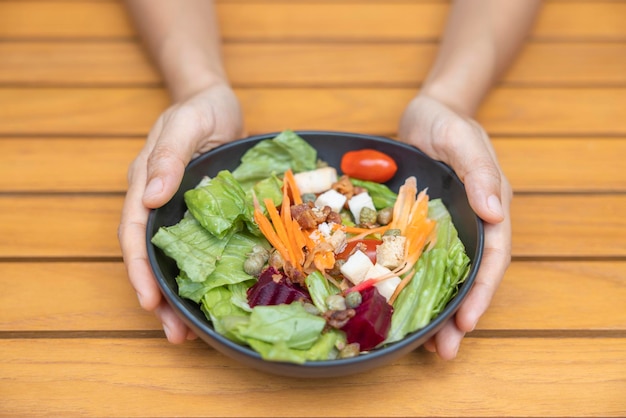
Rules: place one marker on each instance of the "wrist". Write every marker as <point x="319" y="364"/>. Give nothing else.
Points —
<point x="460" y="93"/>
<point x="188" y="71"/>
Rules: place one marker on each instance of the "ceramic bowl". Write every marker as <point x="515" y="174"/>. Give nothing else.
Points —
<point x="438" y="177"/>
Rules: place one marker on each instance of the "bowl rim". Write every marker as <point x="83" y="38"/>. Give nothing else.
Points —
<point x="205" y="326"/>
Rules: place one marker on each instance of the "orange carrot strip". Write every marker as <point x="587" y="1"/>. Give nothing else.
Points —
<point x="268" y="231"/>
<point x="290" y="180"/>
<point x="324" y="261"/>
<point x="280" y="229"/>
<point x="294" y="232"/>
<point x="404" y="202"/>
<point x="402" y="285"/>
<point x="366" y="232"/>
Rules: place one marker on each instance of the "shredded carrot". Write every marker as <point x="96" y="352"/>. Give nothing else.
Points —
<point x="401" y="285"/>
<point x="268" y="231"/>
<point x="281" y="231"/>
<point x="290" y="180"/>
<point x="324" y="260"/>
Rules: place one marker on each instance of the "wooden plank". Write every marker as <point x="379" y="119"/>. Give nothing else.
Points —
<point x="303" y="64"/>
<point x="60" y="226"/>
<point x="51" y="164"/>
<point x="534" y="296"/>
<point x="149" y="377"/>
<point x="576" y="225"/>
<point x="563" y="164"/>
<point x="75" y="296"/>
<point x="277" y="20"/>
<point x="66" y="164"/>
<point x="131" y="111"/>
<point x="557" y="295"/>
<point x="85" y="226"/>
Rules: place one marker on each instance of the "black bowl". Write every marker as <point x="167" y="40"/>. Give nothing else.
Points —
<point x="438" y="177"/>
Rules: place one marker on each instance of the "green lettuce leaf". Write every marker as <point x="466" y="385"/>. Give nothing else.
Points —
<point x="288" y="324"/>
<point x="319" y="289"/>
<point x="194" y="249"/>
<point x="228" y="269"/>
<point x="226" y="316"/>
<point x="220" y="204"/>
<point x="439" y="272"/>
<point x="322" y="349"/>
<point x="275" y="156"/>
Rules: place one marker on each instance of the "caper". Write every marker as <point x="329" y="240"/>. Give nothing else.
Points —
<point x="367" y="216"/>
<point x="392" y="233"/>
<point x="384" y="216"/>
<point x="254" y="265"/>
<point x="308" y="197"/>
<point x="353" y="299"/>
<point x="310" y="308"/>
<point x="276" y="260"/>
<point x="336" y="303"/>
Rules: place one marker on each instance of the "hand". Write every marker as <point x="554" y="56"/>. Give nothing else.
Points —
<point x="209" y="118"/>
<point x="462" y="144"/>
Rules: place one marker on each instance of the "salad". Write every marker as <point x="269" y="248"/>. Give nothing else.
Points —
<point x="300" y="263"/>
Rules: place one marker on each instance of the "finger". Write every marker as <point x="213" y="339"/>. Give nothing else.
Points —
<point x="175" y="329"/>
<point x="448" y="340"/>
<point x="495" y="261"/>
<point x="182" y="129"/>
<point x="131" y="235"/>
<point x="467" y="149"/>
<point x="430" y="345"/>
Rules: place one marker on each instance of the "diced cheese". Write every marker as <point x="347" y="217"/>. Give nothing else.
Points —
<point x="356" y="267"/>
<point x="316" y="181"/>
<point x="387" y="286"/>
<point x="358" y="202"/>
<point x="331" y="198"/>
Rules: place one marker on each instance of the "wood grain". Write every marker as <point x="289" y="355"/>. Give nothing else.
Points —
<point x="86" y="226"/>
<point x="96" y="296"/>
<point x="149" y="377"/>
<point x="115" y="63"/>
<point x="131" y="111"/>
<point x="347" y="20"/>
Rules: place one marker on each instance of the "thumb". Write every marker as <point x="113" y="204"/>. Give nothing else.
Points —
<point x="474" y="161"/>
<point x="174" y="147"/>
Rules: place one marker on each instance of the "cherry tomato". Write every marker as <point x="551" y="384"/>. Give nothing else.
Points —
<point x="368" y="247"/>
<point x="368" y="164"/>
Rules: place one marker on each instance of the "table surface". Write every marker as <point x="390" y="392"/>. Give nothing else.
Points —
<point x="78" y="95"/>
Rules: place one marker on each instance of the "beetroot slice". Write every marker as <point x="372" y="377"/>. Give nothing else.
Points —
<point x="371" y="322"/>
<point x="274" y="288"/>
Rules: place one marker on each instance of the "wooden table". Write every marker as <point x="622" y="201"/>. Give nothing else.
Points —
<point x="77" y="97"/>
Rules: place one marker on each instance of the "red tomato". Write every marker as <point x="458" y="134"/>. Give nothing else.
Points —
<point x="368" y="164"/>
<point x="368" y="247"/>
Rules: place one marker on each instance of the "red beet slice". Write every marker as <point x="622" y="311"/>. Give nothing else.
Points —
<point x="274" y="288"/>
<point x="371" y="322"/>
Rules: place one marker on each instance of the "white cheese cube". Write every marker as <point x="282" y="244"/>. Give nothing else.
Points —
<point x="387" y="286"/>
<point x="316" y="181"/>
<point x="356" y="267"/>
<point x="358" y="202"/>
<point x="331" y="198"/>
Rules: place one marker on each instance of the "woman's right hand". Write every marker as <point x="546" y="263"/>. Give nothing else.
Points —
<point x="209" y="118"/>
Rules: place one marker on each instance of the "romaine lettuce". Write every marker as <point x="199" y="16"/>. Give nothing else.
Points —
<point x="275" y="156"/>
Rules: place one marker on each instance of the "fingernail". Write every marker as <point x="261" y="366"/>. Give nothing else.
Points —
<point x="494" y="205"/>
<point x="155" y="187"/>
<point x="140" y="298"/>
